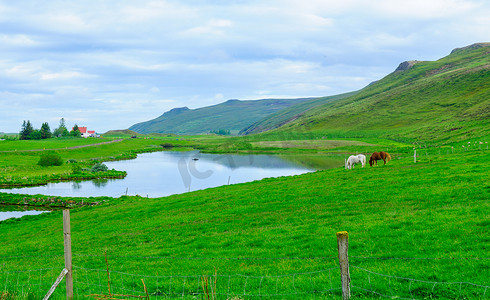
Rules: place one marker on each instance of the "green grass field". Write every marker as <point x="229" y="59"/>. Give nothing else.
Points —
<point x="18" y="159"/>
<point x="417" y="230"/>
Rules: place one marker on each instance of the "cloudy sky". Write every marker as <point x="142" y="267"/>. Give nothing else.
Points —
<point x="108" y="64"/>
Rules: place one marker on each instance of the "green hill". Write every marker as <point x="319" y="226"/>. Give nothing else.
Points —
<point x="433" y="101"/>
<point x="232" y="115"/>
<point x="123" y="132"/>
<point x="289" y="114"/>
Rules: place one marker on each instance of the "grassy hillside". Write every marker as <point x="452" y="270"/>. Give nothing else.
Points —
<point x="232" y="115"/>
<point x="120" y="133"/>
<point x="440" y="101"/>
<point x="430" y="218"/>
<point x="289" y="114"/>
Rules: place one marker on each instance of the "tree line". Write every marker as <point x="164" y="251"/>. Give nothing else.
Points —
<point x="28" y="132"/>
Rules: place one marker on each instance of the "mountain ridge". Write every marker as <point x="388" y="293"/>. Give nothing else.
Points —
<point x="232" y="115"/>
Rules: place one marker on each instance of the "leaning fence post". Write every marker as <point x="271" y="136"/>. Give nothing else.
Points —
<point x="68" y="265"/>
<point x="343" y="246"/>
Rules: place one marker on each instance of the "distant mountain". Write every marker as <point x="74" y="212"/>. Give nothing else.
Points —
<point x="232" y="115"/>
<point x="422" y="101"/>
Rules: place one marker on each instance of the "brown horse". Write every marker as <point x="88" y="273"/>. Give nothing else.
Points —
<point x="377" y="156"/>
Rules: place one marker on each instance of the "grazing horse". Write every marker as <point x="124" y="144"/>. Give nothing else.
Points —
<point x="377" y="156"/>
<point x="355" y="159"/>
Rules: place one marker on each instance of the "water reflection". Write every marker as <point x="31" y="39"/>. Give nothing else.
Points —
<point x="317" y="162"/>
<point x="164" y="173"/>
<point x="100" y="183"/>
<point x="76" y="185"/>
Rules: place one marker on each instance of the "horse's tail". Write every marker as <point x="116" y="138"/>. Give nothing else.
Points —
<point x="388" y="156"/>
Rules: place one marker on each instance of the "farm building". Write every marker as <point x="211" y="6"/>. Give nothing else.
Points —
<point x="87" y="133"/>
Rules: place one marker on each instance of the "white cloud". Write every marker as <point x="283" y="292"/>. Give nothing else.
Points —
<point x="62" y="75"/>
<point x="17" y="40"/>
<point x="143" y="12"/>
<point x="211" y="27"/>
<point x="219" y="98"/>
<point x="423" y="9"/>
<point x="67" y="22"/>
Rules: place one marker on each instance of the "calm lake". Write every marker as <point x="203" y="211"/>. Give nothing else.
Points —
<point x="166" y="173"/>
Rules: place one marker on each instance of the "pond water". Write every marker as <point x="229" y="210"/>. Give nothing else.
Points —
<point x="165" y="173"/>
<point x="4" y="215"/>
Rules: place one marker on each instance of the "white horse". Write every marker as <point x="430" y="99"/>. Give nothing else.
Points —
<point x="355" y="159"/>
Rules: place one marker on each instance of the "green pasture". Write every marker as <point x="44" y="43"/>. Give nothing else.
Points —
<point x="417" y="230"/>
<point x="53" y="143"/>
<point x="19" y="158"/>
<point x="307" y="144"/>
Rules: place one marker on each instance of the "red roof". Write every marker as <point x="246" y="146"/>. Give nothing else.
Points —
<point x="91" y="131"/>
<point x="82" y="129"/>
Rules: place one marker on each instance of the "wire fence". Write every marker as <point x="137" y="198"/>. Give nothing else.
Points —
<point x="217" y="286"/>
<point x="104" y="283"/>
<point x="409" y="288"/>
<point x="22" y="283"/>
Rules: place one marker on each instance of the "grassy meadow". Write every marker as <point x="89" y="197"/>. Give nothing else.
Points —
<point x="417" y="230"/>
<point x="19" y="158"/>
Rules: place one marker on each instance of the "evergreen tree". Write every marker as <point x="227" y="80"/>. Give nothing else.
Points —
<point x="61" y="130"/>
<point x="22" y="135"/>
<point x="26" y="130"/>
<point x="45" y="131"/>
<point x="35" y="135"/>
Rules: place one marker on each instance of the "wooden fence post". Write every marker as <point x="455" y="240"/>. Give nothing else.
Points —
<point x="68" y="265"/>
<point x="415" y="156"/>
<point x="55" y="284"/>
<point x="343" y="246"/>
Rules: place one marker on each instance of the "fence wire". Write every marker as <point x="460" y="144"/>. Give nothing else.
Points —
<point x="25" y="282"/>
<point x="389" y="286"/>
<point x="308" y="285"/>
<point x="323" y="284"/>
